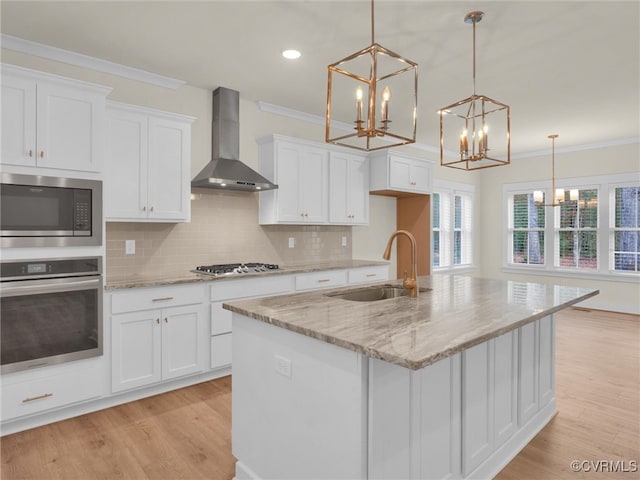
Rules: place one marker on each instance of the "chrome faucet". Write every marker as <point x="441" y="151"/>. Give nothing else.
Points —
<point x="410" y="284"/>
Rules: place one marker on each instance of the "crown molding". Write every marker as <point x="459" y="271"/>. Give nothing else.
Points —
<point x="318" y="120"/>
<point x="80" y="60"/>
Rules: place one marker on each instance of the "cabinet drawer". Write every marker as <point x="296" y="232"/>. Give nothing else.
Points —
<point x="56" y="391"/>
<point x="329" y="278"/>
<point x="220" y="319"/>
<point x="369" y="274"/>
<point x="221" y="350"/>
<point x="160" y="297"/>
<point x="224" y="290"/>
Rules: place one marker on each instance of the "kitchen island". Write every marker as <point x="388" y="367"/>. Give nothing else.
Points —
<point x="452" y="384"/>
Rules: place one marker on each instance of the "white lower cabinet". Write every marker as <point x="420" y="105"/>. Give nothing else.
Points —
<point x="149" y="344"/>
<point x="229" y="290"/>
<point x="40" y="390"/>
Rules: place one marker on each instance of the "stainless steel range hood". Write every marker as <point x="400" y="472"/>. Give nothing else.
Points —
<point x="225" y="171"/>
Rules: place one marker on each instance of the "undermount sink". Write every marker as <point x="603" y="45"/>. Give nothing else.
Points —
<point x="374" y="293"/>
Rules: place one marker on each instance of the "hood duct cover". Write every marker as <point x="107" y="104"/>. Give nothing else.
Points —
<point x="225" y="171"/>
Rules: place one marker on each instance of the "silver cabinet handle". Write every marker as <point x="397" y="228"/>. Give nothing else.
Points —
<point x="30" y="153"/>
<point x="324" y="280"/>
<point x="151" y="209"/>
<point x="144" y="209"/>
<point x="372" y="274"/>
<point x="39" y="397"/>
<point x="41" y="153"/>
<point x="158" y="321"/>
<point x="161" y="299"/>
<point x="166" y="320"/>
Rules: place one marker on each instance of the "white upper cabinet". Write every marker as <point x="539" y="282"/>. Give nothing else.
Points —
<point x="318" y="184"/>
<point x="147" y="173"/>
<point x="301" y="171"/>
<point x="397" y="172"/>
<point x="348" y="188"/>
<point x="51" y="122"/>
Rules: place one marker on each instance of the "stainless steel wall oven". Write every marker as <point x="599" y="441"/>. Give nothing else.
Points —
<point x="50" y="311"/>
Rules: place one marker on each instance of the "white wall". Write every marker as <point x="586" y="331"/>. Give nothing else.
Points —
<point x="614" y="295"/>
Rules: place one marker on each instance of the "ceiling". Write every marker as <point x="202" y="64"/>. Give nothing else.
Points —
<point x="571" y="68"/>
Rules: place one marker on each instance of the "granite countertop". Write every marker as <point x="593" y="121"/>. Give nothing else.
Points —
<point x="138" y="281"/>
<point x="457" y="313"/>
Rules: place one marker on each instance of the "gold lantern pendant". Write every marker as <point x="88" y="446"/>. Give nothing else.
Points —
<point x="465" y="126"/>
<point x="384" y="86"/>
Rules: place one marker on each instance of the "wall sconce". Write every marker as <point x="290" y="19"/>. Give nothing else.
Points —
<point x="373" y="95"/>
<point x="465" y="126"/>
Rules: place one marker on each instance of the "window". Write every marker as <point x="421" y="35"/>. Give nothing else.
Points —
<point x="527" y="222"/>
<point x="594" y="231"/>
<point x="625" y="228"/>
<point x="452" y="226"/>
<point x="576" y="230"/>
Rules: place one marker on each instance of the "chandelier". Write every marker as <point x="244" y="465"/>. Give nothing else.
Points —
<point x="372" y="99"/>
<point x="465" y="126"/>
<point x="558" y="193"/>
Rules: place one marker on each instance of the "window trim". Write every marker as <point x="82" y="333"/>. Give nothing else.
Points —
<point x="445" y="187"/>
<point x="604" y="184"/>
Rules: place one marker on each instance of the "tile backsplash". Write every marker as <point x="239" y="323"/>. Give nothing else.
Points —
<point x="224" y="228"/>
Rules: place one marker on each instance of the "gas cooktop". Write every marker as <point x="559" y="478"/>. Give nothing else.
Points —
<point x="234" y="268"/>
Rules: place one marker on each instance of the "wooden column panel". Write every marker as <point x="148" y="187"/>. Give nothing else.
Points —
<point x="414" y="215"/>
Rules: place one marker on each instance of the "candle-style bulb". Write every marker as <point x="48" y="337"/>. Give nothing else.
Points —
<point x="359" y="106"/>
<point x="386" y="94"/>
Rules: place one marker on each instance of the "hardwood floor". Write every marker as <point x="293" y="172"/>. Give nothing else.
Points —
<point x="185" y="434"/>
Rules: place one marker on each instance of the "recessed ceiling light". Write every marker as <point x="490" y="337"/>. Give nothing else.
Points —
<point x="291" y="54"/>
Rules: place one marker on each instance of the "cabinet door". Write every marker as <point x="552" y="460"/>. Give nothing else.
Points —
<point x="313" y="185"/>
<point x="528" y="375"/>
<point x="420" y="177"/>
<point x="125" y="172"/>
<point x="349" y="189"/>
<point x="18" y="121"/>
<point x="70" y="127"/>
<point x="505" y="387"/>
<point x="477" y="405"/>
<point x="547" y="362"/>
<point x="136" y="349"/>
<point x="399" y="172"/>
<point x="338" y="188"/>
<point x="358" y="191"/>
<point x="287" y="172"/>
<point x="169" y="164"/>
<point x="182" y="341"/>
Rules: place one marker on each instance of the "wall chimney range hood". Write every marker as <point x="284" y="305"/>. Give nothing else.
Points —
<point x="225" y="171"/>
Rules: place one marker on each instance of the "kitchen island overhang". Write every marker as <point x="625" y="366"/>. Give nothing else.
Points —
<point x="453" y="384"/>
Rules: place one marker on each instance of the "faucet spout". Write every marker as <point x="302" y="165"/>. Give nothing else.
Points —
<point x="410" y="284"/>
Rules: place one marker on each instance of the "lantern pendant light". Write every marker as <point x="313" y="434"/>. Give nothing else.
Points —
<point x="465" y="126"/>
<point x="558" y="194"/>
<point x="372" y="98"/>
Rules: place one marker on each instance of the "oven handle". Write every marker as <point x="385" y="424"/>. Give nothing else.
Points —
<point x="56" y="285"/>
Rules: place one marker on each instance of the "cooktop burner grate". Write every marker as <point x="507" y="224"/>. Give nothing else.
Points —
<point x="235" y="268"/>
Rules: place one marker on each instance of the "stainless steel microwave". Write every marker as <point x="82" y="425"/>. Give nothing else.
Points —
<point x="39" y="211"/>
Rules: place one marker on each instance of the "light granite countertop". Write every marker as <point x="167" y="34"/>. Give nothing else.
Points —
<point x="136" y="281"/>
<point x="457" y="313"/>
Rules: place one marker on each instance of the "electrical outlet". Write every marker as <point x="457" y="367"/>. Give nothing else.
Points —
<point x="292" y="242"/>
<point x="129" y="247"/>
<point x="344" y="241"/>
<point x="283" y="366"/>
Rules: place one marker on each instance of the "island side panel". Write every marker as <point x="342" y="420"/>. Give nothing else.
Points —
<point x="414" y="420"/>
<point x="299" y="405"/>
<point x="458" y="418"/>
